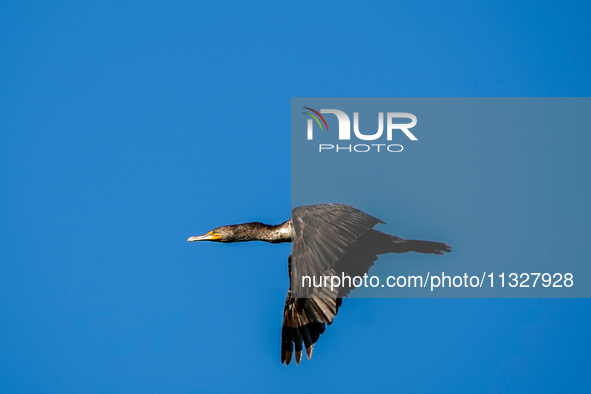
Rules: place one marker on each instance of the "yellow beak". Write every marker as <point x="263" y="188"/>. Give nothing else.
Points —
<point x="210" y="236"/>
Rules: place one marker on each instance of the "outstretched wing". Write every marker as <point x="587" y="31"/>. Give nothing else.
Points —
<point x="331" y="239"/>
<point x="322" y="233"/>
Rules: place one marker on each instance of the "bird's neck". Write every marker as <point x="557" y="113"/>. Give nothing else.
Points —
<point x="279" y="233"/>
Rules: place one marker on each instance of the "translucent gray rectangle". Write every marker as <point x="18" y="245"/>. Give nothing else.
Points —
<point x="504" y="181"/>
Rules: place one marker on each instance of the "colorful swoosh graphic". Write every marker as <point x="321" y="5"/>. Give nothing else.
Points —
<point x="315" y="118"/>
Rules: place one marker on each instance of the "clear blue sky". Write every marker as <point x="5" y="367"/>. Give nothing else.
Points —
<point x="128" y="126"/>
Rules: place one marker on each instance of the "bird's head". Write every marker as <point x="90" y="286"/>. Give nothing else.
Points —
<point x="218" y="235"/>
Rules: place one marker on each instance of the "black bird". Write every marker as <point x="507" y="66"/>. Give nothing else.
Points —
<point x="328" y="239"/>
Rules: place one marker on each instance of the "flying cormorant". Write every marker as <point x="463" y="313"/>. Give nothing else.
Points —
<point x="328" y="239"/>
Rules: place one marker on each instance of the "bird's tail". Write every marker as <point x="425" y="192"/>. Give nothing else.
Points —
<point x="428" y="247"/>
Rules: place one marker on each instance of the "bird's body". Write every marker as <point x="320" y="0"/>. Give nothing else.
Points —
<point x="328" y="239"/>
